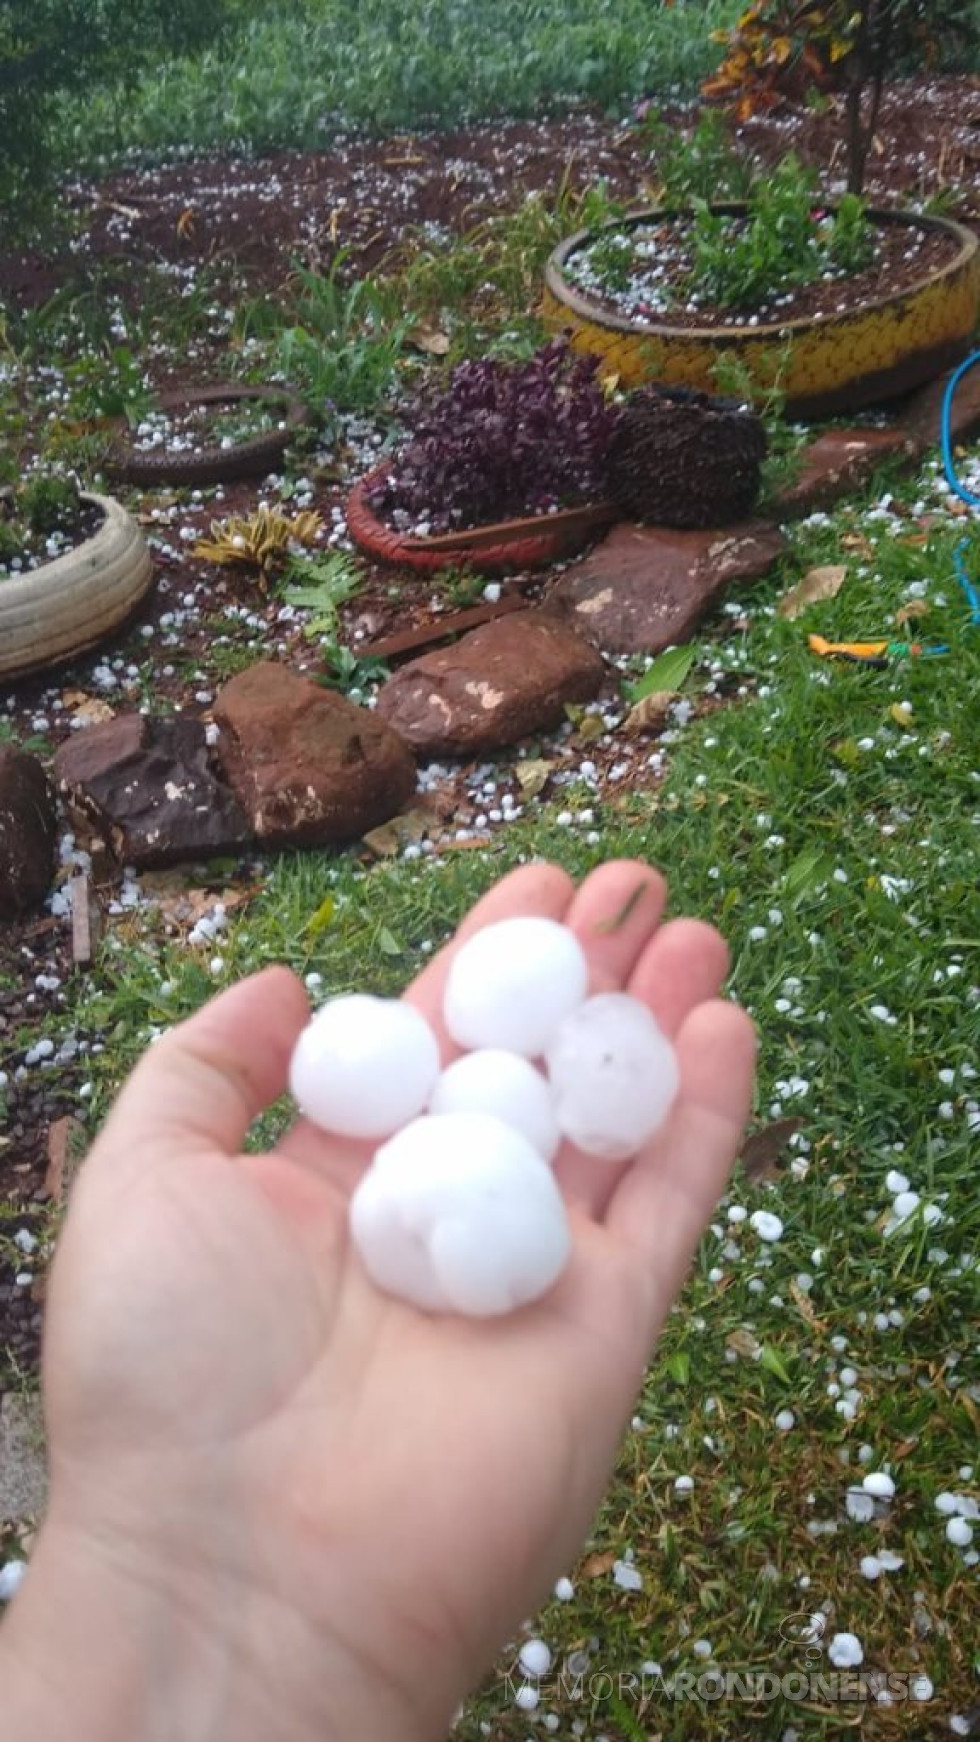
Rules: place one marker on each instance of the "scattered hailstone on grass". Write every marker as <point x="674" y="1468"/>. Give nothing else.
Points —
<point x="959" y="1532"/>
<point x="878" y="1484"/>
<point x="845" y="1651"/>
<point x="364" y="1066"/>
<point x="458" y="1213"/>
<point x="767" y="1226"/>
<point x="511" y="985"/>
<point x="506" y="1085"/>
<point x="626" y="1576"/>
<point x="613" y="1074"/>
<point x="564" y="1590"/>
<point x="785" y="1420"/>
<point x="535" y="1657"/>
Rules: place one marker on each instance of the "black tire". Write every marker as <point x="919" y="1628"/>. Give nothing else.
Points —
<point x="248" y="459"/>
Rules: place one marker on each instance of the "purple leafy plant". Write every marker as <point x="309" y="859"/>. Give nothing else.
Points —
<point x="504" y="440"/>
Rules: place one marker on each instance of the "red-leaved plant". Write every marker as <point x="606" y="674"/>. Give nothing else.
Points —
<point x="503" y="440"/>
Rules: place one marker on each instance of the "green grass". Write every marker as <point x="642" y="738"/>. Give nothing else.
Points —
<point x="299" y="75"/>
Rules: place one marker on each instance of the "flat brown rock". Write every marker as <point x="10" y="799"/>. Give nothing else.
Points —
<point x="28" y="832"/>
<point x="309" y="767"/>
<point x="493" y="687"/>
<point x="647" y="587"/>
<point x="835" y="463"/>
<point x="150" y="789"/>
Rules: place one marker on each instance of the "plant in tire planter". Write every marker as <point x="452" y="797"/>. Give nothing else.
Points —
<point x="505" y="468"/>
<point x="174" y="445"/>
<point x="844" y="306"/>
<point x="69" y="586"/>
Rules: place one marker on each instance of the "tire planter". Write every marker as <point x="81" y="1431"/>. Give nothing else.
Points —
<point x="251" y="458"/>
<point x="71" y="603"/>
<point x="873" y="351"/>
<point x="494" y="549"/>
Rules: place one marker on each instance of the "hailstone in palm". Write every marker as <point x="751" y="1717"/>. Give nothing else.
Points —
<point x="511" y="984"/>
<point x="364" y="1066"/>
<point x="458" y="1213"/>
<point x="506" y="1085"/>
<point x="613" y="1074"/>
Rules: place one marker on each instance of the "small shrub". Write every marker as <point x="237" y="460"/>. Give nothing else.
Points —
<point x="504" y="439"/>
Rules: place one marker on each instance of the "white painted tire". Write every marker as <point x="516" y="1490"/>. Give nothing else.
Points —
<point x="71" y="603"/>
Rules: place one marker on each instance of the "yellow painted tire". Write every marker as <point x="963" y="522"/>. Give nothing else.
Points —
<point x="872" y="351"/>
<point x="68" y="605"/>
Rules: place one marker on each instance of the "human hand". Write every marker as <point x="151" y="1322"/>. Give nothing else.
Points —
<point x="320" y="1510"/>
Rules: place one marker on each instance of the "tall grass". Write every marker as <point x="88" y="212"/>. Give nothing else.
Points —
<point x="299" y="74"/>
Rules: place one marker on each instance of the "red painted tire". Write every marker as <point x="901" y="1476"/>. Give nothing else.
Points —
<point x="519" y="545"/>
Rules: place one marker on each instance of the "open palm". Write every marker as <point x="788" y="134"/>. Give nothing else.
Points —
<point x="352" y="1482"/>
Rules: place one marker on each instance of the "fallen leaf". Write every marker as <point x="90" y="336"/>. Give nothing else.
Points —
<point x="430" y="340"/>
<point x="761" y="1151"/>
<point x="911" y="612"/>
<point x="533" y="776"/>
<point x="91" y="710"/>
<point x="803" y="1303"/>
<point x="744" y="1344"/>
<point x="399" y="831"/>
<point x="668" y="672"/>
<point x="66" y="1140"/>
<point x="901" y="713"/>
<point x="774" y="1363"/>
<point x="593" y="726"/>
<point x="595" y="1566"/>
<point x="650" y="714"/>
<point x="820" y="583"/>
<point x="321" y="917"/>
<point x="185" y="223"/>
<point x="857" y="541"/>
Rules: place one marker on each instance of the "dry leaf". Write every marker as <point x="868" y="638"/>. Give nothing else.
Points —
<point x="186" y="224"/>
<point x="596" y="1565"/>
<point x="820" y="583"/>
<point x="761" y="1151"/>
<point x="533" y="776"/>
<point x="803" y="1303"/>
<point x="399" y="831"/>
<point x="592" y="727"/>
<point x="430" y="340"/>
<point x="91" y="710"/>
<point x="901" y="713"/>
<point x="857" y="541"/>
<point x="743" y="1343"/>
<point x="911" y="612"/>
<point x="650" y="714"/>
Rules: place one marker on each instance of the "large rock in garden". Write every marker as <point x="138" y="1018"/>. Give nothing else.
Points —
<point x="493" y="687"/>
<point x="28" y="832"/>
<point x="647" y="587"/>
<point x="308" y="766"/>
<point x="150" y="789"/>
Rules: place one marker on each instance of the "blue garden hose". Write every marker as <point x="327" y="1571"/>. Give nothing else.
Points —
<point x="957" y="486"/>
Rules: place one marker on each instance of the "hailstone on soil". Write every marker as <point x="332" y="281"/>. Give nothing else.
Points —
<point x="506" y="1085"/>
<point x="364" y="1066"/>
<point x="613" y="1076"/>
<point x="458" y="1213"/>
<point x="511" y="985"/>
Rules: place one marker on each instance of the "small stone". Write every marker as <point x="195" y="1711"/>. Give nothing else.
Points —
<point x="28" y="832"/>
<point x="499" y="684"/>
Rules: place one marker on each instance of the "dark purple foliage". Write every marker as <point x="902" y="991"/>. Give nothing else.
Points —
<point x="504" y="440"/>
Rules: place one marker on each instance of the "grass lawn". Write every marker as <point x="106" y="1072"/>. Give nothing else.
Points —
<point x="826" y="817"/>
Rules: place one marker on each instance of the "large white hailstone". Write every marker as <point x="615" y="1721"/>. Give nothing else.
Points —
<point x="364" y="1066"/>
<point x="506" y="1085"/>
<point x="879" y="1484"/>
<point x="845" y="1651"/>
<point x="614" y="1076"/>
<point x="458" y="1213"/>
<point x="511" y="984"/>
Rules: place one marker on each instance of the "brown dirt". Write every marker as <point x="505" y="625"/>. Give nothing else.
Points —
<point x="245" y="225"/>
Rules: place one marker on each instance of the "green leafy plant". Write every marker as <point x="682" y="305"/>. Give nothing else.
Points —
<point x="342" y="342"/>
<point x="704" y="165"/>
<point x="785" y="241"/>
<point x="321" y="585"/>
<point x="347" y="671"/>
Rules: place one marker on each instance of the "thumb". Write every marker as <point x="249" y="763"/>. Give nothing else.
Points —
<point x="205" y="1081"/>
